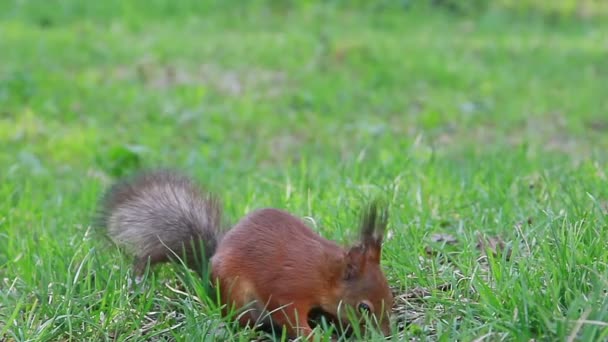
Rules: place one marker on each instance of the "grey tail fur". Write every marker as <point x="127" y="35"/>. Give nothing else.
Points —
<point x="159" y="216"/>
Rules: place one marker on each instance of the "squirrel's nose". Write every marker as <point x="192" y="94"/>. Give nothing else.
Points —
<point x="386" y="327"/>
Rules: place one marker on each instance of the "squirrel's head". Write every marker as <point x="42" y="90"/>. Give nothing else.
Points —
<point x="365" y="293"/>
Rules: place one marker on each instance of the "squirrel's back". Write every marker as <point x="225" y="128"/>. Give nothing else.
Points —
<point x="159" y="215"/>
<point x="270" y="244"/>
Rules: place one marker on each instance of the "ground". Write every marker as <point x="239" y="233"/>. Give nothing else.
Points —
<point x="487" y="131"/>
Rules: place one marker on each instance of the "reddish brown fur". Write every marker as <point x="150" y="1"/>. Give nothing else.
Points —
<point x="273" y="258"/>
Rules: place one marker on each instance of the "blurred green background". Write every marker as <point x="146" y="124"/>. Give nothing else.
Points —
<point x="473" y="115"/>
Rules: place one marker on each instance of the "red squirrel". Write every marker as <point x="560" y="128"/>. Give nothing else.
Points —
<point x="269" y="264"/>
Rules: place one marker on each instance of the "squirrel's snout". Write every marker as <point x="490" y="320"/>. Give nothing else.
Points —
<point x="386" y="328"/>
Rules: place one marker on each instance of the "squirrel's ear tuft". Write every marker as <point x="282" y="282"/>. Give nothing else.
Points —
<point x="356" y="259"/>
<point x="373" y="224"/>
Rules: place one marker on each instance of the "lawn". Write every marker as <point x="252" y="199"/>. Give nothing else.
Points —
<point x="488" y="131"/>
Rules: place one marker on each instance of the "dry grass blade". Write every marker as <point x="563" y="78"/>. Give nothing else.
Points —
<point x="579" y="325"/>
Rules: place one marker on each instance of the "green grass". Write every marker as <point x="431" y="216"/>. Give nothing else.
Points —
<point x="493" y="123"/>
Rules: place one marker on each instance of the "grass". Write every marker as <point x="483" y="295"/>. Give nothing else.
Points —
<point x="491" y="124"/>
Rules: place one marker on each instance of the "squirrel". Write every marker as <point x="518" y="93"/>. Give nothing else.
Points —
<point x="270" y="264"/>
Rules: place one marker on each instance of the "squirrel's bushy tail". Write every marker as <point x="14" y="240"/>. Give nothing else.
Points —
<point x="160" y="215"/>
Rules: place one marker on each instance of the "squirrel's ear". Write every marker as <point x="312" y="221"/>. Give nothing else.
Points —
<point x="355" y="262"/>
<point x="374" y="252"/>
<point x="373" y="225"/>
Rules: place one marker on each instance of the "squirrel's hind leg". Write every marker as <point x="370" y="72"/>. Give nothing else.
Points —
<point x="295" y="320"/>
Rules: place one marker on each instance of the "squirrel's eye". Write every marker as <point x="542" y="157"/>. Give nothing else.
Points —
<point x="364" y="308"/>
